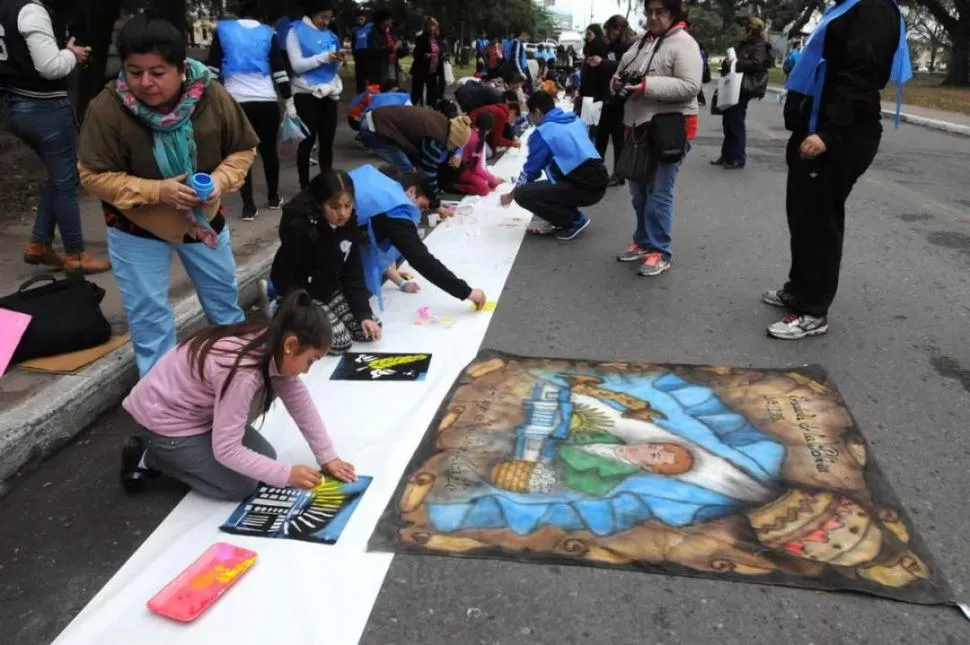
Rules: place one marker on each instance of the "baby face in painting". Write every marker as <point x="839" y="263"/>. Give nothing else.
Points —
<point x="664" y="458"/>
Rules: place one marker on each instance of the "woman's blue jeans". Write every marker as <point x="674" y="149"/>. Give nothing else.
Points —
<point x="49" y="128"/>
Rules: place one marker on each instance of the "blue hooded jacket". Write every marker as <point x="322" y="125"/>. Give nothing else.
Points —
<point x="559" y="146"/>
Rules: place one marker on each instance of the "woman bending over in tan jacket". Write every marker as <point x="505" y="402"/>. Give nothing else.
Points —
<point x="159" y="122"/>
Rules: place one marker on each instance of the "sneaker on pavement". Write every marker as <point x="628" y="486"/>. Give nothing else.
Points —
<point x="580" y="224"/>
<point x="796" y="326"/>
<point x="718" y="162"/>
<point x="654" y="264"/>
<point x="632" y="253"/>
<point x="734" y="165"/>
<point x="249" y="213"/>
<point x="777" y="298"/>
<point x="275" y="203"/>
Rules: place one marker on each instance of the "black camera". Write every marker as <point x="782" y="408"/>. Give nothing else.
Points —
<point x="627" y="77"/>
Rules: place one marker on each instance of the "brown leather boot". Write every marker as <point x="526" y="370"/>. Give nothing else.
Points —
<point x="40" y="253"/>
<point x="83" y="263"/>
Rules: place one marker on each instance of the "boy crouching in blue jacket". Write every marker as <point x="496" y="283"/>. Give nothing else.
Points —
<point x="576" y="175"/>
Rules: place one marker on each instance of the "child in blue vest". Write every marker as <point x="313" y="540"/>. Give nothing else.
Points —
<point x="833" y="110"/>
<point x="247" y="57"/>
<point x="359" y="47"/>
<point x="315" y="56"/>
<point x="389" y="206"/>
<point x="575" y="173"/>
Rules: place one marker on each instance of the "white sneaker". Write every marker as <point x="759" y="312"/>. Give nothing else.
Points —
<point x="797" y="326"/>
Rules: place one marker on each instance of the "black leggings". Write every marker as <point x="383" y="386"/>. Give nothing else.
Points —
<point x="264" y="116"/>
<point x="432" y="86"/>
<point x="610" y="127"/>
<point x="320" y="118"/>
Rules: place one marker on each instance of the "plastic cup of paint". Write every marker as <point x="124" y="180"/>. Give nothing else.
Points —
<point x="202" y="184"/>
<point x="432" y="220"/>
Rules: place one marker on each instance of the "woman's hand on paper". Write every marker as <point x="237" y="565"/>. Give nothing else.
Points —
<point x="341" y="470"/>
<point x="507" y="199"/>
<point x="304" y="477"/>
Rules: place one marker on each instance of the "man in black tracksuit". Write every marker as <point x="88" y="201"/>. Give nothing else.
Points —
<point x="823" y="167"/>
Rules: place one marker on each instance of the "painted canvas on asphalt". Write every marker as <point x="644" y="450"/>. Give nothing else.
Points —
<point x="742" y="474"/>
<point x="317" y="515"/>
<point x="375" y="366"/>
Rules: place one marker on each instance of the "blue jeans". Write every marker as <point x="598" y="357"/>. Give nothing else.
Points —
<point x="142" y="268"/>
<point x="654" y="208"/>
<point x="733" y="150"/>
<point x="49" y="127"/>
<point x="386" y="150"/>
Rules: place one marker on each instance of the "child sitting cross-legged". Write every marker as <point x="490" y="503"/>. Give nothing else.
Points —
<point x="197" y="406"/>
<point x="476" y="179"/>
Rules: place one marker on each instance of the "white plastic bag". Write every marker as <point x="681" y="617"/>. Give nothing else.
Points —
<point x="729" y="86"/>
<point x="292" y="133"/>
<point x="449" y="73"/>
<point x="591" y="111"/>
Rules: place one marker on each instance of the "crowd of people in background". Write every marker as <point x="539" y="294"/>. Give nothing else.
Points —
<point x="166" y="117"/>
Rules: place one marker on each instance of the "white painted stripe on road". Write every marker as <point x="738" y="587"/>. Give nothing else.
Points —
<point x="312" y="593"/>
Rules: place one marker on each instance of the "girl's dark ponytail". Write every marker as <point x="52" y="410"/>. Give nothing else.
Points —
<point x="300" y="317"/>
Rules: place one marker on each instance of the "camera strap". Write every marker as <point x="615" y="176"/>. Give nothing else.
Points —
<point x="643" y="43"/>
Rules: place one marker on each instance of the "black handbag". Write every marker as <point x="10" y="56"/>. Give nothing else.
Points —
<point x="634" y="163"/>
<point x="65" y="316"/>
<point x="754" y="86"/>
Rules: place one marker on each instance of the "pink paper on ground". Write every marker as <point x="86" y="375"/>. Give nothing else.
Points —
<point x="13" y="324"/>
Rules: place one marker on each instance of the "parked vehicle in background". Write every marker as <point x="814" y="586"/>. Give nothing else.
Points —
<point x="574" y="39"/>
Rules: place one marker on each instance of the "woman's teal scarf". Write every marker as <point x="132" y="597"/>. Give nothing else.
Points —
<point x="174" y="137"/>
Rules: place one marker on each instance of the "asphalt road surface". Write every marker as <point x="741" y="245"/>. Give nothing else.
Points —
<point x="897" y="350"/>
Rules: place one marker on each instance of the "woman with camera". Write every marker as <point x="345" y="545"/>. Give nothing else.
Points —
<point x="660" y="79"/>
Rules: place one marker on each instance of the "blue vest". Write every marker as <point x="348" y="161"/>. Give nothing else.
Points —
<point x="569" y="143"/>
<point x="808" y="75"/>
<point x="507" y="48"/>
<point x="480" y="45"/>
<point x="387" y="98"/>
<point x="360" y="35"/>
<point x="376" y="193"/>
<point x="313" y="42"/>
<point x="244" y="50"/>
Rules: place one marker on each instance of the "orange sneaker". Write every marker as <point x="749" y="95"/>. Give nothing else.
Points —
<point x="40" y="253"/>
<point x="83" y="263"/>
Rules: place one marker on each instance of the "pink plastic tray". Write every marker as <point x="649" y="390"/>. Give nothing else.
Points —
<point x="203" y="582"/>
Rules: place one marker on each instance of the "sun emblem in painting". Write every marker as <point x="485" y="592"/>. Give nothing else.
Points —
<point x="587" y="420"/>
<point x="328" y="498"/>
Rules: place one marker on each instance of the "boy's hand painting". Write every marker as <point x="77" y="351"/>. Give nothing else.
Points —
<point x="506" y="199"/>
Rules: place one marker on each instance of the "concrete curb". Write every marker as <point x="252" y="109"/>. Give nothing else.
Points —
<point x="47" y="420"/>
<point x="912" y="119"/>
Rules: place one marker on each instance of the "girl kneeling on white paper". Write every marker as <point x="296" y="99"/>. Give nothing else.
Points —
<point x="197" y="406"/>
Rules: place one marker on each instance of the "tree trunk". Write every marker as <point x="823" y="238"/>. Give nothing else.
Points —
<point x="95" y="31"/>
<point x="958" y="72"/>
